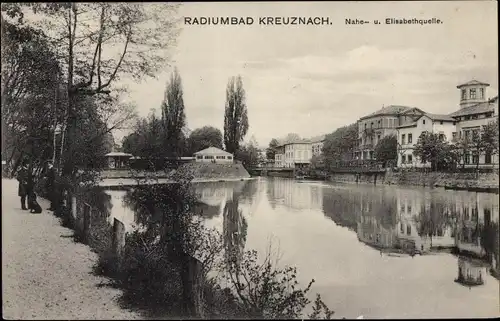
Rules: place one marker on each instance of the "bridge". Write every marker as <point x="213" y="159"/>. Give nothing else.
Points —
<point x="264" y="171"/>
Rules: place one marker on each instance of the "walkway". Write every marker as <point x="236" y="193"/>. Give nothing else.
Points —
<point x="45" y="275"/>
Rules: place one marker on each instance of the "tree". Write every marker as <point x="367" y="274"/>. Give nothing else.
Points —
<point x="340" y="144"/>
<point x="30" y="88"/>
<point x="387" y="149"/>
<point x="248" y="155"/>
<point x="204" y="137"/>
<point x="86" y="37"/>
<point x="271" y="150"/>
<point x="235" y="116"/>
<point x="431" y="148"/>
<point x="173" y="115"/>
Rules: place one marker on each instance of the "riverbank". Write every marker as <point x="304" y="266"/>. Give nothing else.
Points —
<point x="45" y="274"/>
<point x="484" y="182"/>
<point x="199" y="172"/>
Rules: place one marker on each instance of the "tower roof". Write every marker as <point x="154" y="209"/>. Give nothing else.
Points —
<point x="473" y="82"/>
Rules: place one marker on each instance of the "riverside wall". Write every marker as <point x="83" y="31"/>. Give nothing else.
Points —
<point x="486" y="182"/>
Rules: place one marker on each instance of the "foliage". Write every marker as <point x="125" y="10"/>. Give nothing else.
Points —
<point x="340" y="144"/>
<point x="173" y="114"/>
<point x="430" y="148"/>
<point x="248" y="155"/>
<point x="235" y="116"/>
<point x="204" y="137"/>
<point x="271" y="150"/>
<point x="85" y="38"/>
<point x="266" y="291"/>
<point x="387" y="149"/>
<point x="317" y="162"/>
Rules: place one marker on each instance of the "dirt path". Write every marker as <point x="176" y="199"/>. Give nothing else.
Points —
<point x="45" y="275"/>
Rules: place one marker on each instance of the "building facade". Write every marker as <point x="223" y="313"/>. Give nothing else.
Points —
<point x="294" y="154"/>
<point x="413" y="123"/>
<point x="474" y="113"/>
<point x="374" y="127"/>
<point x="317" y="145"/>
<point x="213" y="155"/>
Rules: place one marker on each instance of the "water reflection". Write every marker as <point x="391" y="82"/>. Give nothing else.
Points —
<point x="294" y="194"/>
<point x="334" y="234"/>
<point x="470" y="272"/>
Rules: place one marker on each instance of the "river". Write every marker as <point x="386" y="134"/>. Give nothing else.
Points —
<point x="375" y="251"/>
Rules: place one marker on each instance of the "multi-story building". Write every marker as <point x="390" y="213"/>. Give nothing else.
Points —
<point x="475" y="112"/>
<point x="317" y="145"/>
<point x="372" y="128"/>
<point x="412" y="124"/>
<point x="294" y="154"/>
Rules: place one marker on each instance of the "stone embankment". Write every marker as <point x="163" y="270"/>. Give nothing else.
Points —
<point x="199" y="172"/>
<point x="483" y="182"/>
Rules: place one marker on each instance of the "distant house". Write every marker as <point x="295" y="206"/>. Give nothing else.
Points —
<point x="413" y="123"/>
<point x="294" y="154"/>
<point x="117" y="160"/>
<point x="317" y="144"/>
<point x="213" y="155"/>
<point x="375" y="126"/>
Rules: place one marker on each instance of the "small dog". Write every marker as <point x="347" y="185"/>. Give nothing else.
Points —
<point x="33" y="205"/>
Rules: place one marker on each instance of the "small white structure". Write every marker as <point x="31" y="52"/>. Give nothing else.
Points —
<point x="213" y="155"/>
<point x="117" y="160"/>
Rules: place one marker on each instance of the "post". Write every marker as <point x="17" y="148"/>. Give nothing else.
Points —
<point x="87" y="210"/>
<point x="118" y="242"/>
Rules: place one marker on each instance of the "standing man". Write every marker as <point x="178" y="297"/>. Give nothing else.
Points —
<point x="50" y="185"/>
<point x="22" y="178"/>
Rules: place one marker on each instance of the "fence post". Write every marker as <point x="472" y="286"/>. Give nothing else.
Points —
<point x="118" y="242"/>
<point x="87" y="209"/>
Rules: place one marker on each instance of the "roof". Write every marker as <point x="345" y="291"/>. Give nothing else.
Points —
<point x="297" y="141"/>
<point x="407" y="125"/>
<point x="213" y="151"/>
<point x="473" y="82"/>
<point x="439" y="117"/>
<point x="118" y="154"/>
<point x="389" y="110"/>
<point x="484" y="107"/>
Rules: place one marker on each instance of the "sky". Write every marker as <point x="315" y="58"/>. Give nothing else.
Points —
<point x="311" y="80"/>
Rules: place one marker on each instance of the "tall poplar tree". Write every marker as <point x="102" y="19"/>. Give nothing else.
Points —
<point x="235" y="116"/>
<point x="173" y="114"/>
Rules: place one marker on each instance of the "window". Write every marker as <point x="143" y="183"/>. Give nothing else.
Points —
<point x="472" y="93"/>
<point x="467" y="117"/>
<point x="230" y="157"/>
<point x="408" y="229"/>
<point x="402" y="228"/>
<point x="379" y="123"/>
<point x="378" y="137"/>
<point x="409" y="206"/>
<point x="403" y="139"/>
<point x="221" y="157"/>
<point x="441" y="122"/>
<point x="467" y="158"/>
<point x="441" y="137"/>
<point x="474" y="117"/>
<point x="481" y="93"/>
<point x="423" y="121"/>
<point x="475" y="158"/>
<point x="487" y="158"/>
<point x="403" y="159"/>
<point x="371" y="126"/>
<point x="199" y="157"/>
<point x="410" y="160"/>
<point x="402" y="208"/>
<point x="454" y="135"/>
<point x="410" y="138"/>
<point x="488" y="115"/>
<point x="464" y="94"/>
<point x="209" y="157"/>
<point x="365" y="125"/>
